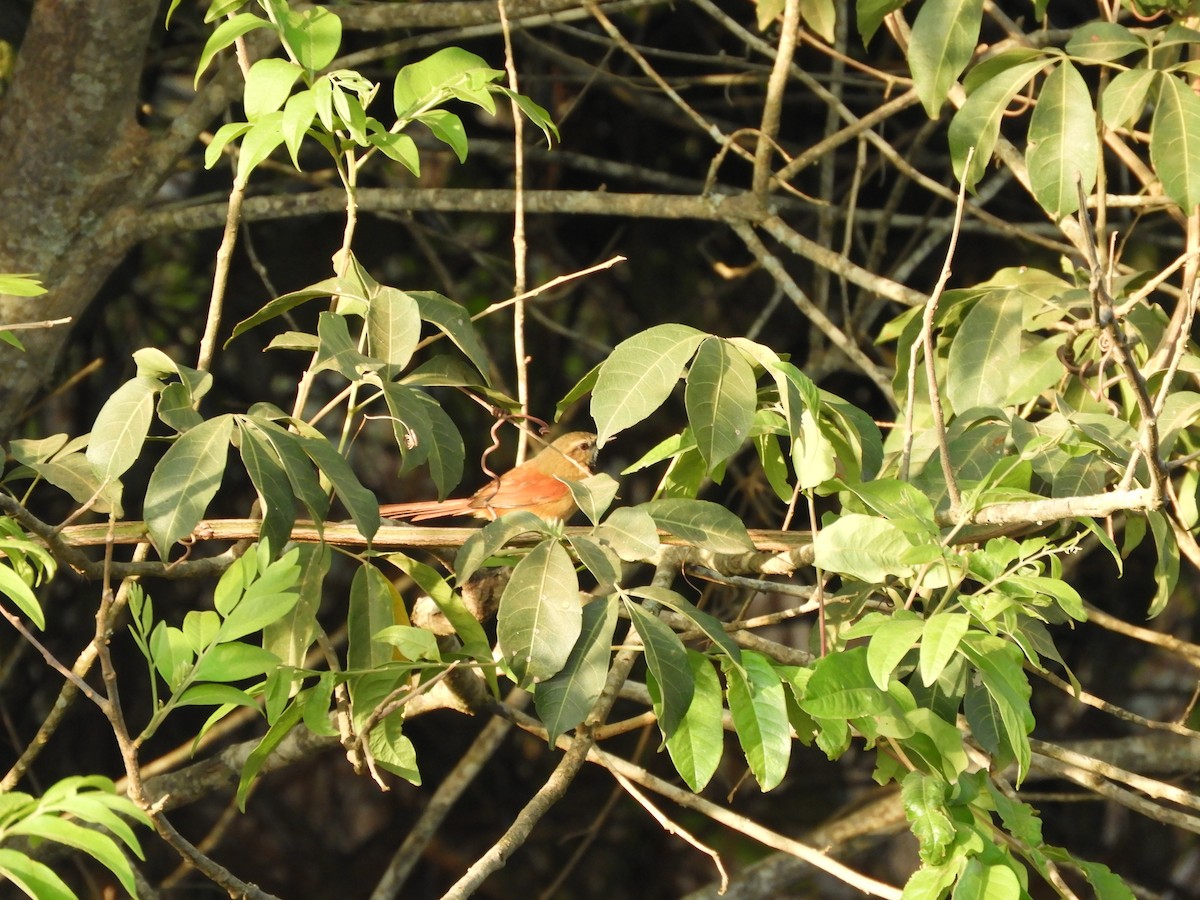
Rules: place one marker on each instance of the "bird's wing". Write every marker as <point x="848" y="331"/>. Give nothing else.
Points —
<point x="520" y="488"/>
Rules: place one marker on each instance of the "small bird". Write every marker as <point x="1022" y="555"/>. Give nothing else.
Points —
<point x="536" y="486"/>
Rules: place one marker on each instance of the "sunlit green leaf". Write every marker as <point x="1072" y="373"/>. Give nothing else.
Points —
<point x="639" y="375"/>
<point x="696" y="745"/>
<point x="1175" y="141"/>
<point x="756" y="702"/>
<point x="1064" y="150"/>
<point x="540" y="616"/>
<point x="720" y="400"/>
<point x="943" y="38"/>
<point x="564" y="699"/>
<point x="121" y="427"/>
<point x="185" y="481"/>
<point x="669" y="680"/>
<point x="701" y="522"/>
<point x="370" y="611"/>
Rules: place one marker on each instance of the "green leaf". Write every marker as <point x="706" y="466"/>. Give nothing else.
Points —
<point x="998" y="664"/>
<point x="977" y="122"/>
<point x="701" y="522"/>
<point x="296" y="465"/>
<point x="535" y="113"/>
<point x="889" y="645"/>
<point x="1063" y="149"/>
<point x="282" y="304"/>
<point x="981" y="881"/>
<point x="697" y="743"/>
<point x="258" y="756"/>
<point x="639" y="375"/>
<point x="213" y="694"/>
<point x="841" y="687"/>
<point x="984" y="351"/>
<point x="98" y="846"/>
<point x="708" y="625"/>
<point x="898" y="501"/>
<point x="298" y="114"/>
<point x="369" y="613"/>
<point x="21" y="285"/>
<point x="224" y="35"/>
<point x="756" y="702"/>
<point x="359" y="502"/>
<point x="393" y="326"/>
<point x="201" y="627"/>
<point x="1107" y="885"/>
<point x="924" y="798"/>
<point x="413" y="643"/>
<point x="446" y="450"/>
<point x="338" y="351"/>
<point x="540" y="616"/>
<point x="1175" y="141"/>
<point x="271" y="483"/>
<point x="1166" y="562"/>
<point x="564" y="699"/>
<point x="452" y="320"/>
<point x="1124" y="98"/>
<point x="234" y="661"/>
<point x="313" y="35"/>
<point x="475" y="641"/>
<point x="121" y="427"/>
<point x="13" y="587"/>
<point x="939" y="642"/>
<point x="943" y="39"/>
<point x="488" y="540"/>
<point x="258" y="142"/>
<point x="34" y="878"/>
<point x="631" y="532"/>
<point x="813" y="455"/>
<point x="185" y="481"/>
<point x="447" y="128"/>
<point x="266" y="599"/>
<point x="930" y="883"/>
<point x="863" y="547"/>
<point x="871" y="14"/>
<point x="268" y="84"/>
<point x="594" y="494"/>
<point x="933" y="745"/>
<point x="770" y="455"/>
<point x="1104" y="42"/>
<point x="173" y="657"/>
<point x="720" y="400"/>
<point x="669" y="671"/>
<point x="398" y="147"/>
<point x="290" y="636"/>
<point x="410" y="423"/>
<point x="448" y="72"/>
<point x="599" y="559"/>
<point x="820" y="16"/>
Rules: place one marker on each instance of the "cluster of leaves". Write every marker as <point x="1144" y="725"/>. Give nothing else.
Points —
<point x="275" y="591"/>
<point x="1140" y="68"/>
<point x="924" y="624"/>
<point x="18" y="286"/>
<point x="68" y="813"/>
<point x="331" y="106"/>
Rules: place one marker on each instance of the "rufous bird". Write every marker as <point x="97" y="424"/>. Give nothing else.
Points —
<point x="536" y="486"/>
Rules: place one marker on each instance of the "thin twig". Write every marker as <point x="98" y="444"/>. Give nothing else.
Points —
<point x="772" y="107"/>
<point x="924" y="342"/>
<point x="520" y="248"/>
<point x="672" y="828"/>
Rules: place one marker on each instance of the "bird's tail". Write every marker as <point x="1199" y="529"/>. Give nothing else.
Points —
<point x="427" y="509"/>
